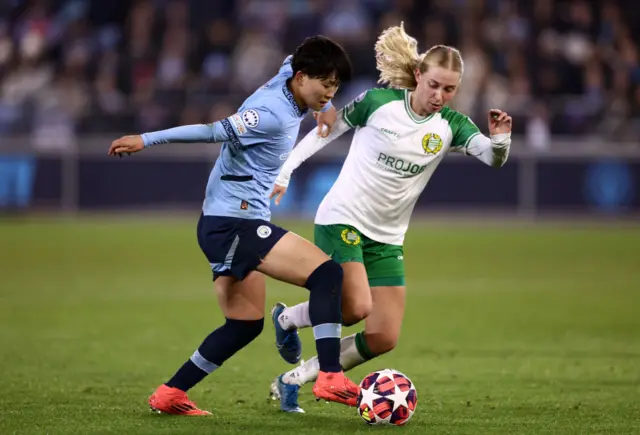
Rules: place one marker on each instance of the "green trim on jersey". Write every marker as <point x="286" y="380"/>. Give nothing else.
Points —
<point x="462" y="127"/>
<point x="410" y="112"/>
<point x="358" y="112"/>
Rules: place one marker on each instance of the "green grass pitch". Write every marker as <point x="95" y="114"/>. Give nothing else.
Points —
<point x="513" y="330"/>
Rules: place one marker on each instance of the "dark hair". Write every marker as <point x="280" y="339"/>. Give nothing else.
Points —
<point x="321" y="58"/>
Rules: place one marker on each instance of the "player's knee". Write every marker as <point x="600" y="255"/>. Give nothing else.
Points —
<point x="383" y="343"/>
<point x="244" y="331"/>
<point x="356" y="312"/>
<point x="330" y="274"/>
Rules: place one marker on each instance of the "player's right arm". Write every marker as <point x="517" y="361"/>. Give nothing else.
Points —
<point x="249" y="127"/>
<point x="308" y="146"/>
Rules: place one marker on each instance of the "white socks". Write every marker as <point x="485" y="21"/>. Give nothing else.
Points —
<point x="295" y="317"/>
<point x="308" y="371"/>
<point x="298" y="317"/>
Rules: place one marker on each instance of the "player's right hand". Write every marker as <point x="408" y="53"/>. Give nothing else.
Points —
<point x="126" y="144"/>
<point x="278" y="193"/>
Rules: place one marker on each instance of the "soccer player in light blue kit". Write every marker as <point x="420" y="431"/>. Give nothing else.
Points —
<point x="234" y="231"/>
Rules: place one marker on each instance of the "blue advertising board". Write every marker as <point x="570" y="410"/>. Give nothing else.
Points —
<point x="594" y="185"/>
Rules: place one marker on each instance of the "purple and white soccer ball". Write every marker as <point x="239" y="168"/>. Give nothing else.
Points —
<point x="387" y="397"/>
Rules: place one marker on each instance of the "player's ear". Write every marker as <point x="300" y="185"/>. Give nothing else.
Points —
<point x="300" y="78"/>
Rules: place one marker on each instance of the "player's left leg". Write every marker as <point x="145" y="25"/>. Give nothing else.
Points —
<point x="382" y="327"/>
<point x="355" y="294"/>
<point x="385" y="266"/>
<point x="380" y="335"/>
<point x="242" y="303"/>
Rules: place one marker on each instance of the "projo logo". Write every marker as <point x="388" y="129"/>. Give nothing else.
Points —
<point x="400" y="166"/>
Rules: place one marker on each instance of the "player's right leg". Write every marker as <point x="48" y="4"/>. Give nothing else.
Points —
<point x="241" y="296"/>
<point x="297" y="261"/>
<point x="242" y="303"/>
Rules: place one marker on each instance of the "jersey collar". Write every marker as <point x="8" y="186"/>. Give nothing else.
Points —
<point x="413" y="115"/>
<point x="289" y="95"/>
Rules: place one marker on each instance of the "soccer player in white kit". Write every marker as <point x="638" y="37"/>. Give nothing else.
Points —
<point x="401" y="135"/>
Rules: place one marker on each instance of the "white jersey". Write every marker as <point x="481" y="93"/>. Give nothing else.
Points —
<point x="392" y="157"/>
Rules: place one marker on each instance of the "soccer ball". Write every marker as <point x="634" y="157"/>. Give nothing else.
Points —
<point x="387" y="397"/>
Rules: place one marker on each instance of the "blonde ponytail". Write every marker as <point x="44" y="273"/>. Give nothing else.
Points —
<point x="397" y="58"/>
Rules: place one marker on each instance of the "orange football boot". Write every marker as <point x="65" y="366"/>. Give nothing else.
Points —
<point x="169" y="400"/>
<point x="336" y="387"/>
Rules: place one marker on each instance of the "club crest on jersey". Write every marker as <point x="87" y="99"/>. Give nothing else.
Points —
<point x="431" y="143"/>
<point x="350" y="237"/>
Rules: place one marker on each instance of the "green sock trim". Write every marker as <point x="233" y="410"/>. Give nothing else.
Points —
<point x="362" y="347"/>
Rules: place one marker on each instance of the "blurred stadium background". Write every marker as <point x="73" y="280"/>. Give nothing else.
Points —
<point x="75" y="74"/>
<point x="524" y="328"/>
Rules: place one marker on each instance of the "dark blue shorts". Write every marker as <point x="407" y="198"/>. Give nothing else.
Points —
<point x="235" y="246"/>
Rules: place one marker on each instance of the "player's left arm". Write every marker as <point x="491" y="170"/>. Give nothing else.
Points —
<point x="492" y="150"/>
<point x="245" y="128"/>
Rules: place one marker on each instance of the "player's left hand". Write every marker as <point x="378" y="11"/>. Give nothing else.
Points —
<point x="499" y="122"/>
<point x="326" y="121"/>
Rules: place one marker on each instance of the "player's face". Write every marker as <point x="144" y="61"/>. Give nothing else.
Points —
<point x="316" y="93"/>
<point x="436" y="87"/>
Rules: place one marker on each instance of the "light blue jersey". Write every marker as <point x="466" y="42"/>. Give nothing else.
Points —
<point x="256" y="142"/>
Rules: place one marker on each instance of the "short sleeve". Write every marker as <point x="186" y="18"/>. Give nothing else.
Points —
<point x="358" y="111"/>
<point x="252" y="126"/>
<point x="463" y="130"/>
